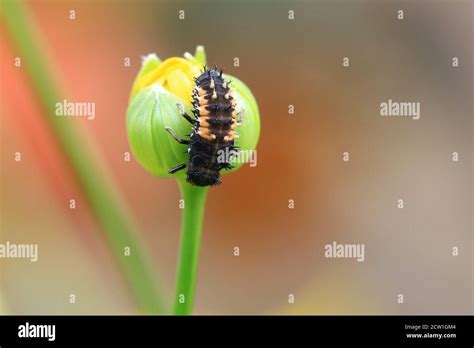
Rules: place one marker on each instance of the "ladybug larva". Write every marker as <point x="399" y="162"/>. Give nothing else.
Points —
<point x="214" y="129"/>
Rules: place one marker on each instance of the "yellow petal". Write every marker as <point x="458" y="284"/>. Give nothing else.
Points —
<point x="180" y="84"/>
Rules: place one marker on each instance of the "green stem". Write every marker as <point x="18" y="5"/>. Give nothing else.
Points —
<point x="105" y="204"/>
<point x="191" y="226"/>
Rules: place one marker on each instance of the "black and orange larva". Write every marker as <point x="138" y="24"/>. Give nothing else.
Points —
<point x="214" y="124"/>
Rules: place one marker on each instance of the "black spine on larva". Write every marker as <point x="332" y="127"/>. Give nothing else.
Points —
<point x="213" y="133"/>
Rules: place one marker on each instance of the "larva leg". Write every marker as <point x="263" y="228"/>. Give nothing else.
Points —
<point x="178" y="139"/>
<point x="177" y="168"/>
<point x="185" y="115"/>
<point x="189" y="118"/>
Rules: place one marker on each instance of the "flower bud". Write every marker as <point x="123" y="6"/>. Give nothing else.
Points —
<point x="158" y="92"/>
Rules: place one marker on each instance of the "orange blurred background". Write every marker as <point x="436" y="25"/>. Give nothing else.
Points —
<point x="298" y="62"/>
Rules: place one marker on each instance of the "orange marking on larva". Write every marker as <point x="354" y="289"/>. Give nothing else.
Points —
<point x="206" y="134"/>
<point x="203" y="101"/>
<point x="203" y="111"/>
<point x="234" y="124"/>
<point x="230" y="136"/>
<point x="201" y="91"/>
<point x="203" y="122"/>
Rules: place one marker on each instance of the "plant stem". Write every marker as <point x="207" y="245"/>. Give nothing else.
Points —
<point x="191" y="226"/>
<point x="103" y="199"/>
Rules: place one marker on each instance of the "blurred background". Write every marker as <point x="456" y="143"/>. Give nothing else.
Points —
<point x="299" y="62"/>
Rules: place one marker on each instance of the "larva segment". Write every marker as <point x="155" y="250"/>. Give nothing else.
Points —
<point x="216" y="122"/>
<point x="202" y="101"/>
<point x="203" y="122"/>
<point x="230" y="136"/>
<point x="200" y="91"/>
<point x="202" y="111"/>
<point x="206" y="134"/>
